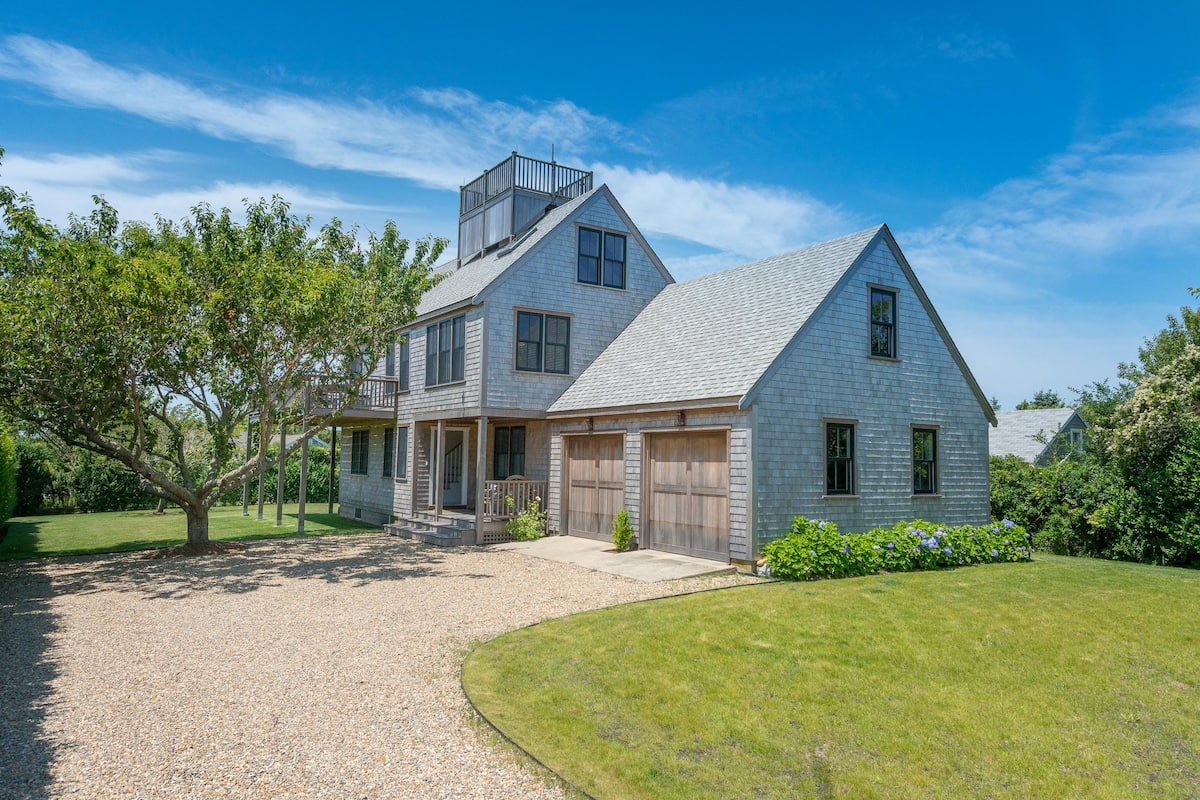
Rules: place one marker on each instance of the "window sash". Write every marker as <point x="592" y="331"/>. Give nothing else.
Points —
<point x="614" y="260"/>
<point x="509" y="453"/>
<point x="589" y="256"/>
<point x="445" y="351"/>
<point x="389" y="360"/>
<point x="839" y="458"/>
<point x="924" y="461"/>
<point x="389" y="451"/>
<point x="402" y="364"/>
<point x="883" y="323"/>
<point x="558" y="344"/>
<point x="529" y="341"/>
<point x="402" y="453"/>
<point x="543" y="343"/>
<point x="359" y="443"/>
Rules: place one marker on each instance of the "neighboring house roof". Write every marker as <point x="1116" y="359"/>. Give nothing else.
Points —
<point x="469" y="283"/>
<point x="716" y="337"/>
<point x="1030" y="433"/>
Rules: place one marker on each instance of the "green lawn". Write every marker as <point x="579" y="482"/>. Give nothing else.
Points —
<point x="1061" y="678"/>
<point x="75" y="534"/>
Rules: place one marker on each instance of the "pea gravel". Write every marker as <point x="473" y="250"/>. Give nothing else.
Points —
<point x="316" y="668"/>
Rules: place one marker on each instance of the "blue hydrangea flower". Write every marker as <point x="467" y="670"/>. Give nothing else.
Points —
<point x="814" y="553"/>
<point x="995" y="553"/>
<point x="1008" y="523"/>
<point x="947" y="550"/>
<point x="891" y="545"/>
<point x="846" y="549"/>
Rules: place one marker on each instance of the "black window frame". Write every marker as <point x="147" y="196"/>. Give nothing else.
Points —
<point x="389" y="451"/>
<point x="839" y="459"/>
<point x="504" y="438"/>
<point x="403" y="363"/>
<point x="925" y="465"/>
<point x="401" y="471"/>
<point x="445" y="351"/>
<point x="882" y="332"/>
<point x="389" y="360"/>
<point x="360" y="452"/>
<point x="531" y="354"/>
<point x="597" y="260"/>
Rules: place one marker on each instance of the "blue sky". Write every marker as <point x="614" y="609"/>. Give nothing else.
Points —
<point x="1039" y="164"/>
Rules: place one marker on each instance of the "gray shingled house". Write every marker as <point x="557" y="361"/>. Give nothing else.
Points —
<point x="558" y="360"/>
<point x="1038" y="435"/>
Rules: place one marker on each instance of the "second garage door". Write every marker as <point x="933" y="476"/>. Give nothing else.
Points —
<point x="687" y="492"/>
<point x="595" y="484"/>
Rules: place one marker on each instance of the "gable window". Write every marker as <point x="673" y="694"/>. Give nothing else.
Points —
<point x="402" y="363"/>
<point x="509" y="458"/>
<point x="402" y="452"/>
<point x="601" y="258"/>
<point x="924" y="461"/>
<point x="883" y="323"/>
<point x="359" y="442"/>
<point x="445" y="350"/>
<point x="389" y="451"/>
<point x="543" y="343"/>
<point x="839" y="458"/>
<point x="1075" y="437"/>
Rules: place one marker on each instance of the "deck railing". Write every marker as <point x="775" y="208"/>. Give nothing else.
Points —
<point x="375" y="394"/>
<point x="522" y="172"/>
<point x="496" y="496"/>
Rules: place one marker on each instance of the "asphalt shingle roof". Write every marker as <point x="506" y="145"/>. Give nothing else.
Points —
<point x="714" y="336"/>
<point x="472" y="278"/>
<point x="1026" y="433"/>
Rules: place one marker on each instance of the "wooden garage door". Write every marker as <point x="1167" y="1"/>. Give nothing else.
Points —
<point x="688" y="493"/>
<point x="595" y="484"/>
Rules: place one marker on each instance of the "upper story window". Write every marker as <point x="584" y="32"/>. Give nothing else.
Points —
<point x="839" y="458"/>
<point x="402" y="363"/>
<point x="543" y="343"/>
<point x="924" y="464"/>
<point x="389" y="451"/>
<point x="883" y="323"/>
<point x="360" y="442"/>
<point x="601" y="258"/>
<point x="445" y="350"/>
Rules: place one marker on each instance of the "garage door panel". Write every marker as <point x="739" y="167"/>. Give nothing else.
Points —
<point x="688" y="493"/>
<point x="596" y="484"/>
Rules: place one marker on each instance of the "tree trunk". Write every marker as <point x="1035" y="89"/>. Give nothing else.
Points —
<point x="197" y="519"/>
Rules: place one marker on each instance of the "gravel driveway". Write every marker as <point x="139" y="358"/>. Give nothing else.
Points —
<point x="299" y="668"/>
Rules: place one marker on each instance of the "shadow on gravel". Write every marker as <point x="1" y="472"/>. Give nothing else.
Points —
<point x="351" y="560"/>
<point x="26" y="673"/>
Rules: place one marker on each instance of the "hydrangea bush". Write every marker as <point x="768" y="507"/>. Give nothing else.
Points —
<point x="817" y="549"/>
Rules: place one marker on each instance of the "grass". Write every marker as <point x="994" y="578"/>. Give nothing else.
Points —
<point x="119" y="531"/>
<point x="1061" y="678"/>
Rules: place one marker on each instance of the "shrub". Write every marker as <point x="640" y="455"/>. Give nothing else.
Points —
<point x="622" y="531"/>
<point x="8" y="475"/>
<point x="529" y="524"/>
<point x="35" y="478"/>
<point x="101" y="484"/>
<point x="318" y="479"/>
<point x="817" y="549"/>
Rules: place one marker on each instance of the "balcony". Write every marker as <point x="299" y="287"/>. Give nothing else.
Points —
<point x="376" y="399"/>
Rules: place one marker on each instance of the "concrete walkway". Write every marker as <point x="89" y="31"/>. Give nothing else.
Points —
<point x="649" y="566"/>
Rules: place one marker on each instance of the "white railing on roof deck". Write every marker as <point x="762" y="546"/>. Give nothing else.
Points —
<point x="522" y="172"/>
<point x="497" y="494"/>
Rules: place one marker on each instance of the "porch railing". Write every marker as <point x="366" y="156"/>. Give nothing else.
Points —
<point x="496" y="496"/>
<point x="374" y="394"/>
<point x="522" y="172"/>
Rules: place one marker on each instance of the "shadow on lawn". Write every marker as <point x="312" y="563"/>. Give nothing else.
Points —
<point x="27" y="624"/>
<point x="352" y="560"/>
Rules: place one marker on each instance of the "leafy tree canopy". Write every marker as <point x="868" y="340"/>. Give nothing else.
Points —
<point x="1046" y="398"/>
<point x="116" y="333"/>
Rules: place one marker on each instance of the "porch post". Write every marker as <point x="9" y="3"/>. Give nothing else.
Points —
<point x="279" y="466"/>
<point x="303" y="466"/>
<point x="246" y="485"/>
<point x="439" y="458"/>
<point x="332" y="462"/>
<point x="261" y="499"/>
<point x="480" y="476"/>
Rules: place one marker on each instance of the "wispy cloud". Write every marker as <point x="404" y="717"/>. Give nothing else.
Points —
<point x="973" y="47"/>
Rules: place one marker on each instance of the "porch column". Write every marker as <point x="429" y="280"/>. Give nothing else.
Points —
<point x="246" y="485"/>
<point x="303" y="466"/>
<point x="480" y="476"/>
<point x="439" y="458"/>
<point x="332" y="462"/>
<point x="279" y="466"/>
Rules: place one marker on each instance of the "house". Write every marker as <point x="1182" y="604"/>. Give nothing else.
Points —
<point x="1040" y="436"/>
<point x="558" y="360"/>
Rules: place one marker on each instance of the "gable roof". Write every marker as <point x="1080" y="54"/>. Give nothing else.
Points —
<point x="1029" y="433"/>
<point x="716" y="337"/>
<point x="472" y="281"/>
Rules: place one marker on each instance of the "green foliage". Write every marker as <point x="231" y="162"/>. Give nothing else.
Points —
<point x="8" y="475"/>
<point x="318" y="479"/>
<point x="112" y="329"/>
<point x="622" y="531"/>
<point x="101" y="484"/>
<point x="1046" y="398"/>
<point x="529" y="523"/>
<point x="817" y="549"/>
<point x="35" y="476"/>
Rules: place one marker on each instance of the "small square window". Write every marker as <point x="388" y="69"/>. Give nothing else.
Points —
<point x="601" y="258"/>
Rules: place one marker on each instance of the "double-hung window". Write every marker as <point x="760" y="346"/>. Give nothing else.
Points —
<point x="924" y="461"/>
<point x="402" y="363"/>
<point x="389" y="360"/>
<point x="360" y="441"/>
<point x="445" y="350"/>
<point x="601" y="258"/>
<point x="509" y="458"/>
<point x="389" y="451"/>
<point x="839" y="458"/>
<point x="402" y="452"/>
<point x="883" y="323"/>
<point x="543" y="343"/>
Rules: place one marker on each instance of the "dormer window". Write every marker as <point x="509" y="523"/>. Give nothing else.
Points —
<point x="601" y="258"/>
<point x="883" y="323"/>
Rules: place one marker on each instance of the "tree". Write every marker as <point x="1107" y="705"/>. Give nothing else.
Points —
<point x="111" y="329"/>
<point x="1046" y="398"/>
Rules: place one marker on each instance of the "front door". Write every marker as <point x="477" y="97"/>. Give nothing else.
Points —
<point x="454" y="473"/>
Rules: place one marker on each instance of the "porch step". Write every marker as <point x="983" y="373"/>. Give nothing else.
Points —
<point x="443" y="533"/>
